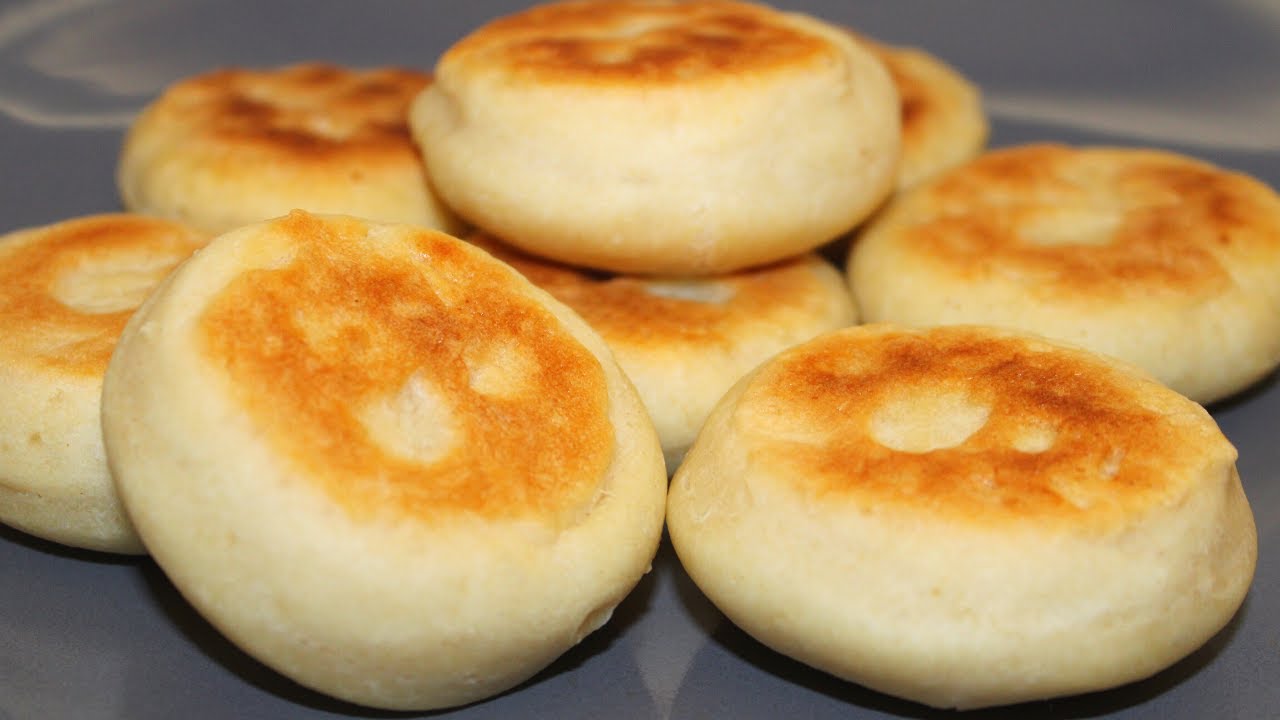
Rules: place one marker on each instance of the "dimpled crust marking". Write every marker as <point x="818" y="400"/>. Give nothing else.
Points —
<point x="67" y="290"/>
<point x="1101" y="221"/>
<point x="633" y="40"/>
<point x="502" y="413"/>
<point x="311" y="110"/>
<point x="640" y="311"/>
<point x="1017" y="429"/>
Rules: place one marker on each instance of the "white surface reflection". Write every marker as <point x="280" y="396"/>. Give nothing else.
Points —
<point x="92" y="63"/>
<point x="34" y="91"/>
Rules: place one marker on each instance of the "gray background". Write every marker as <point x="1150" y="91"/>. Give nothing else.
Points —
<point x="86" y="636"/>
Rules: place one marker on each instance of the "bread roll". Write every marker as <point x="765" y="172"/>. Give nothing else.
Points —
<point x="1148" y="256"/>
<point x="238" y="145"/>
<point x="66" y="291"/>
<point x="964" y="516"/>
<point x="380" y="461"/>
<point x="659" y="137"/>
<point x="683" y="342"/>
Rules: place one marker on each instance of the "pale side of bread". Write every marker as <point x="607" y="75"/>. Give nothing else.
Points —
<point x="381" y="462"/>
<point x="965" y="516"/>
<point x="1152" y="257"/>
<point x="664" y="138"/>
<point x="239" y="145"/>
<point x="66" y="291"/>
<point x="943" y="121"/>
<point x="684" y="342"/>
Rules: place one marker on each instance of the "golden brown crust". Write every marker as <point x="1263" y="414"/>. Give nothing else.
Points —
<point x="236" y="146"/>
<point x="943" y="123"/>
<point x="672" y="315"/>
<point x="1099" y="221"/>
<point x="642" y="42"/>
<point x="311" y="113"/>
<point x="913" y="93"/>
<point x="920" y="104"/>
<point x="1085" y="244"/>
<point x="343" y="438"/>
<point x="514" y="138"/>
<point x="67" y="289"/>
<point x="684" y="341"/>
<point x="964" y="516"/>
<point x="517" y="408"/>
<point x="1020" y="430"/>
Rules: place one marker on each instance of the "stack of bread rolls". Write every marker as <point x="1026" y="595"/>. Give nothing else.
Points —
<point x="447" y="334"/>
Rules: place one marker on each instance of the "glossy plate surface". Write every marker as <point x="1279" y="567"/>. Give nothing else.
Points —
<point x="84" y="636"/>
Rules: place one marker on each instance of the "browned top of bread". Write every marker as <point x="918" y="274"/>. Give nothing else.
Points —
<point x="673" y="315"/>
<point x="636" y="42"/>
<point x="305" y="113"/>
<point x="941" y="110"/>
<point x="910" y="69"/>
<point x="978" y="424"/>
<point x="917" y="104"/>
<point x="1103" y="221"/>
<point x="67" y="289"/>
<point x="416" y="377"/>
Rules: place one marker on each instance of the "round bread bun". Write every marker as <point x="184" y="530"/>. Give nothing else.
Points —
<point x="964" y="516"/>
<point x="668" y="138"/>
<point x="1152" y="257"/>
<point x="235" y="146"/>
<point x="943" y="122"/>
<point x="380" y="461"/>
<point x="683" y="342"/>
<point x="66" y="291"/>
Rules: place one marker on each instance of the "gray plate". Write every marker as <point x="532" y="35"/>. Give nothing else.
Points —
<point x="84" y="636"/>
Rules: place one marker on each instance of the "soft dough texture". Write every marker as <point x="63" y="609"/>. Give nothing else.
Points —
<point x="683" y="342"/>
<point x="66" y="291"/>
<point x="943" y="122"/>
<point x="655" y="137"/>
<point x="1155" y="258"/>
<point x="964" y="516"/>
<point x="239" y="145"/>
<point x="380" y="461"/>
